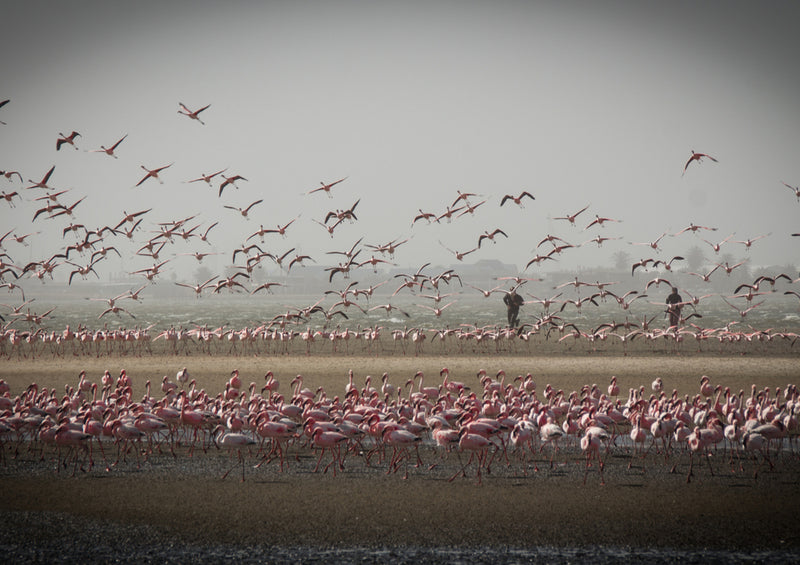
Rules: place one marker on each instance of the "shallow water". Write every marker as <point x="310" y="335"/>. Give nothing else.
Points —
<point x="163" y="307"/>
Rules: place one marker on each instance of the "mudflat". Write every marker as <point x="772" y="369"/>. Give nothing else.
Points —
<point x="549" y="498"/>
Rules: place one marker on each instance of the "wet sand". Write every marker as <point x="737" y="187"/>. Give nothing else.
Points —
<point x="184" y="500"/>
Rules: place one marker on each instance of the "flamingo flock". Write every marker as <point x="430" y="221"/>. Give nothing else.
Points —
<point x="82" y="254"/>
<point x="466" y="428"/>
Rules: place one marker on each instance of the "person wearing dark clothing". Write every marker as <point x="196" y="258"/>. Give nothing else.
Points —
<point x="513" y="301"/>
<point x="674" y="305"/>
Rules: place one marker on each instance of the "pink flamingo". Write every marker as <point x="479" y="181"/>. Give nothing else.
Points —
<point x="331" y="441"/>
<point x="326" y="188"/>
<point x="153" y="173"/>
<point x="696" y="157"/>
<point x="231" y="441"/>
<point x="110" y="150"/>
<point x="478" y="446"/>
<point x="70" y="139"/>
<point x="193" y="114"/>
<point x="590" y="445"/>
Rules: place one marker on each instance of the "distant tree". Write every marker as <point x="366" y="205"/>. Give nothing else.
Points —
<point x="695" y="259"/>
<point x="622" y="260"/>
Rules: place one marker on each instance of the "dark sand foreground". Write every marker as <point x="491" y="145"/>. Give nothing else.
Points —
<point x="184" y="500"/>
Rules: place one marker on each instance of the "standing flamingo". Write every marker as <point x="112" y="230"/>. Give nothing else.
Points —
<point x="231" y="441"/>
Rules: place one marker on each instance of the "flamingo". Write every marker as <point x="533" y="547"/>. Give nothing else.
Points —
<point x="70" y="139"/>
<point x="717" y="246"/>
<point x="729" y="268"/>
<point x="707" y="276"/>
<point x="45" y="179"/>
<point x="10" y="174"/>
<point x="424" y="216"/>
<point x="465" y="196"/>
<point x="517" y="199"/>
<point x="207" y="178"/>
<point x="326" y="188"/>
<point x="490" y="236"/>
<point x="697" y="157"/>
<point x="571" y="217"/>
<point x="193" y="114"/>
<point x="231" y="180"/>
<point x="331" y="441"/>
<point x="245" y="211"/>
<point x="230" y="441"/>
<point x="197" y="288"/>
<point x="795" y="189"/>
<point x="110" y="150"/>
<point x="652" y="244"/>
<point x="459" y="254"/>
<point x="478" y="446"/>
<point x="470" y="208"/>
<point x="590" y="444"/>
<point x="692" y="227"/>
<point x="600" y="221"/>
<point x="749" y="242"/>
<point x="153" y="173"/>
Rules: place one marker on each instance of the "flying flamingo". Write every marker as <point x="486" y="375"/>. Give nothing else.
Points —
<point x="459" y="254"/>
<point x="197" y="288"/>
<point x="486" y="293"/>
<point x="600" y="221"/>
<point x="729" y="268"/>
<point x="571" y="217"/>
<point x="62" y="139"/>
<point x="744" y="312"/>
<point x="204" y="237"/>
<point x="10" y="174"/>
<point x="463" y="196"/>
<point x="652" y="244"/>
<point x="696" y="157"/>
<point x="707" y="276"/>
<point x="425" y="216"/>
<point x="694" y="228"/>
<point x="193" y="114"/>
<point x="129" y="218"/>
<point x="231" y="180"/>
<point x="208" y="178"/>
<point x="244" y="211"/>
<point x="795" y="189"/>
<point x="43" y="183"/>
<point x="109" y="150"/>
<point x="470" y="208"/>
<point x="281" y="229"/>
<point x="448" y="213"/>
<point x="437" y="311"/>
<point x="717" y="246"/>
<point x="326" y="187"/>
<point x="517" y="199"/>
<point x="490" y="236"/>
<point x="153" y="173"/>
<point x="749" y="242"/>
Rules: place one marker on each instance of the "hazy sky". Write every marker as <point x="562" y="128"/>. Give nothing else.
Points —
<point x="578" y="103"/>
